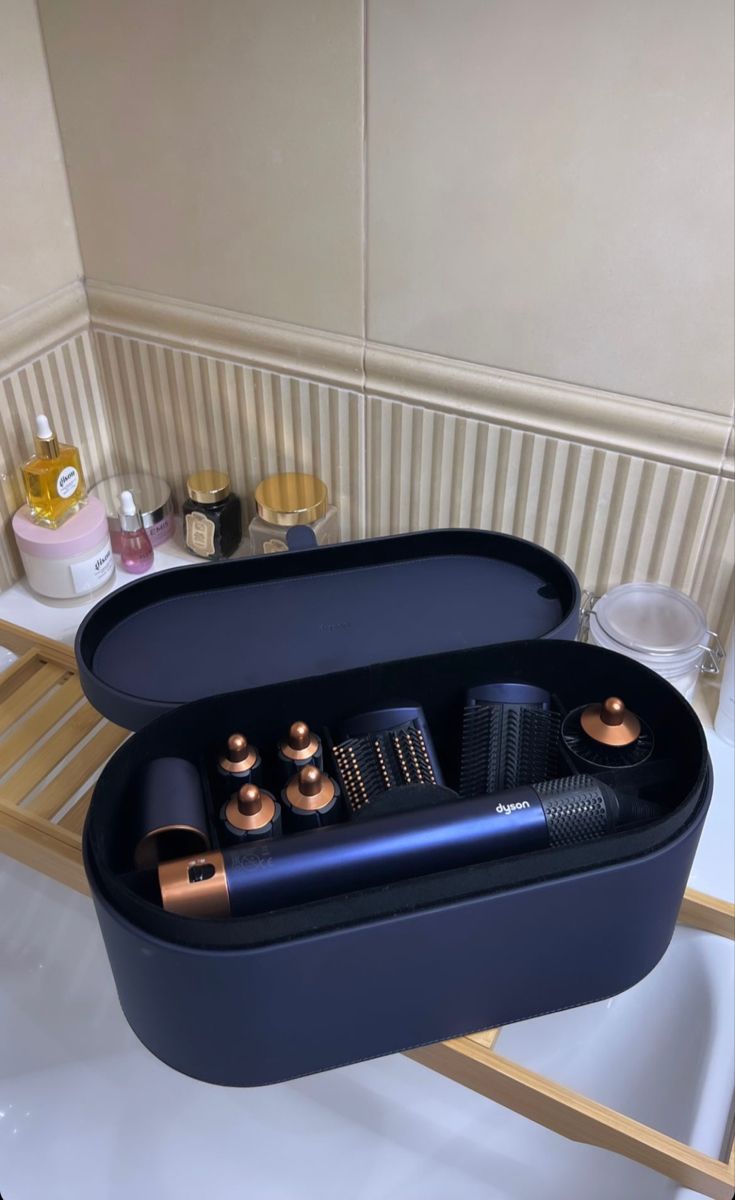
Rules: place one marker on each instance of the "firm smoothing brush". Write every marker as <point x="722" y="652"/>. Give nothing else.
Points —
<point x="242" y="879"/>
<point x="382" y="749"/>
<point x="510" y="736"/>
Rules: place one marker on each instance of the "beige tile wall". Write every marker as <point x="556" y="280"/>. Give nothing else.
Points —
<point x="550" y="189"/>
<point x="215" y="149"/>
<point x="549" y="185"/>
<point x="38" y="243"/>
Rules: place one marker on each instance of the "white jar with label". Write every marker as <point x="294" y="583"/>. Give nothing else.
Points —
<point x="70" y="561"/>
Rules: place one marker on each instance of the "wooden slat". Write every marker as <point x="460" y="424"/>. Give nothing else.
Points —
<point x="34" y="688"/>
<point x="74" y="819"/>
<point x="34" y="727"/>
<point x="707" y="913"/>
<point x="77" y="771"/>
<point x="486" y="1038"/>
<point x="19" y="640"/>
<point x="575" y="1116"/>
<point x="17" y="673"/>
<point x="25" y="819"/>
<point x="49" y="755"/>
<point x="42" y="849"/>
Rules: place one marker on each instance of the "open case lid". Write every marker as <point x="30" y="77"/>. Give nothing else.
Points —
<point x="197" y="631"/>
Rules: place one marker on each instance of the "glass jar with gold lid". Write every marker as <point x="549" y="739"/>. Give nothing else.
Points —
<point x="212" y="518"/>
<point x="284" y="501"/>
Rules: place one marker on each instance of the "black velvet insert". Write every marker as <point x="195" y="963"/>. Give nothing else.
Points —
<point x="676" y="777"/>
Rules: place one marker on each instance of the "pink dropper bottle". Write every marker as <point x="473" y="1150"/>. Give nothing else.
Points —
<point x="136" y="551"/>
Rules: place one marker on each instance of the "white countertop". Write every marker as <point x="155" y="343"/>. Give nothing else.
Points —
<point x="87" y="1114"/>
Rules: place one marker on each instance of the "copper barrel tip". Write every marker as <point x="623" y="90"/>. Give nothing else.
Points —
<point x="249" y="800"/>
<point x="299" y="735"/>
<point x="237" y="747"/>
<point x="612" y="711"/>
<point x="310" y="781"/>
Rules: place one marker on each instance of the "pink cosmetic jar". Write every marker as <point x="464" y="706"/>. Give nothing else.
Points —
<point x="153" y="498"/>
<point x="70" y="561"/>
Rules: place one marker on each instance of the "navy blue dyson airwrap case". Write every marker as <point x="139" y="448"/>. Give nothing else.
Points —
<point x="317" y="635"/>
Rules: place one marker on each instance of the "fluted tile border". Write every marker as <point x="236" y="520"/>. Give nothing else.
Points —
<point x="31" y="332"/>
<point x="612" y="517"/>
<point x="645" y="493"/>
<point x="624" y="424"/>
<point x="173" y="412"/>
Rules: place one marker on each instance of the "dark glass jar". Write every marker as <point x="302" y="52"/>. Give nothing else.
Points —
<point x="212" y="519"/>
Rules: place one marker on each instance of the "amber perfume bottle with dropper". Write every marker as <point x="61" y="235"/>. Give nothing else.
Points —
<point x="53" y="478"/>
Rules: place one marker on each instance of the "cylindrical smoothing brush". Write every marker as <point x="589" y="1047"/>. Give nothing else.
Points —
<point x="510" y="736"/>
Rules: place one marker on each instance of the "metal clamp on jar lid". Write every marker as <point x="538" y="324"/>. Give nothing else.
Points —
<point x="291" y="499"/>
<point x="208" y="487"/>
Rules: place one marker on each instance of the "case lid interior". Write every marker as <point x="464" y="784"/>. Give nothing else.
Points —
<point x="199" y="631"/>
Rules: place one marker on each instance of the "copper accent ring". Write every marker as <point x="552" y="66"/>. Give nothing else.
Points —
<point x="146" y="854"/>
<point x="245" y="813"/>
<point x="195" y="887"/>
<point x="315" y="800"/>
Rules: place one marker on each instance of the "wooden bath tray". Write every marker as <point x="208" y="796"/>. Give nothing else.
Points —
<point x="53" y="746"/>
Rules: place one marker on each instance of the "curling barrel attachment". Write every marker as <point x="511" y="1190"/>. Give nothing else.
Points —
<point x="240" y="762"/>
<point x="171" y="813"/>
<point x="310" y="799"/>
<point x="301" y="748"/>
<point x="251" y="813"/>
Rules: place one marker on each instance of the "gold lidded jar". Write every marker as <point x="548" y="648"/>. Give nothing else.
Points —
<point x="212" y="516"/>
<point x="288" y="500"/>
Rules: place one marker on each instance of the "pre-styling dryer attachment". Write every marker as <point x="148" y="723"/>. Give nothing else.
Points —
<point x="169" y="814"/>
<point x="606" y="735"/>
<point x="510" y="736"/>
<point x="361" y="854"/>
<point x="384" y="749"/>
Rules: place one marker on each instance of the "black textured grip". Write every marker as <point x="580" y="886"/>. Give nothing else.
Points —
<point x="577" y="809"/>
